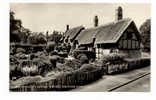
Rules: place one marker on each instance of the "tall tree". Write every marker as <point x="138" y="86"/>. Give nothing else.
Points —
<point x="145" y="30"/>
<point x="15" y="26"/>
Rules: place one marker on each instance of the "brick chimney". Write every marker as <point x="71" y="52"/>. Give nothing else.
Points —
<point x="118" y="15"/>
<point x="67" y="27"/>
<point x="96" y="20"/>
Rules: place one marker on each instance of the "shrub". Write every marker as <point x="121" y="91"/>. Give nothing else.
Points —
<point x="63" y="54"/>
<point x="15" y="71"/>
<point x="44" y="65"/>
<point x="88" y="68"/>
<point x="113" y="57"/>
<point x="21" y="55"/>
<point x="69" y="65"/>
<point x="89" y="54"/>
<point x="83" y="58"/>
<point x="13" y="60"/>
<point x="53" y="53"/>
<point x="50" y="46"/>
<point x="20" y="50"/>
<point x="38" y="54"/>
<point x="61" y="60"/>
<point x="53" y="59"/>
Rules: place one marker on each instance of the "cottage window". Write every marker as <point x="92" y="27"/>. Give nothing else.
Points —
<point x="133" y="44"/>
<point x="137" y="44"/>
<point x="125" y="44"/>
<point x="129" y="44"/>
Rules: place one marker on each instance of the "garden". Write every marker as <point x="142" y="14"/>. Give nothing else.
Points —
<point x="50" y="69"/>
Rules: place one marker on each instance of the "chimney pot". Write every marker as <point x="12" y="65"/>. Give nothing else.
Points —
<point x="119" y="14"/>
<point x="67" y="27"/>
<point x="96" y="21"/>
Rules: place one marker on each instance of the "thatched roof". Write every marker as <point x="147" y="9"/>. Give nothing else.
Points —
<point x="86" y="36"/>
<point x="108" y="33"/>
<point x="73" y="33"/>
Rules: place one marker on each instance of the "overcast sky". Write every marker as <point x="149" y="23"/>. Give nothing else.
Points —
<point x="40" y="17"/>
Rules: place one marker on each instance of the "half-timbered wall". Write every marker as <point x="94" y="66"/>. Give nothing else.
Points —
<point x="129" y="41"/>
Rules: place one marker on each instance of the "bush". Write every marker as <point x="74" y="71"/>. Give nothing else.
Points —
<point x="38" y="55"/>
<point x="21" y="56"/>
<point x="20" y="50"/>
<point x="113" y="57"/>
<point x="50" y="46"/>
<point x="13" y="60"/>
<point x="88" y="68"/>
<point x="53" y="59"/>
<point x="83" y="58"/>
<point x="89" y="54"/>
<point x="44" y="65"/>
<point x="63" y="54"/>
<point x="53" y="53"/>
<point x="69" y="65"/>
<point x="15" y="71"/>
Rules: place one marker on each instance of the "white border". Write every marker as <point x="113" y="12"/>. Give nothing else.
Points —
<point x="4" y="53"/>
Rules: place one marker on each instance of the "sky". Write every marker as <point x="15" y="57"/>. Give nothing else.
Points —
<point x="42" y="17"/>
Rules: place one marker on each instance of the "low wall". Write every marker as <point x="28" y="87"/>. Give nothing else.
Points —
<point x="126" y="65"/>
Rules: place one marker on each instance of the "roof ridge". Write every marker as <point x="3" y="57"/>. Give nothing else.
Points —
<point x="114" y="22"/>
<point x="109" y="23"/>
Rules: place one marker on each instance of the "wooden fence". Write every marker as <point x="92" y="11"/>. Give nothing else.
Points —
<point x="64" y="81"/>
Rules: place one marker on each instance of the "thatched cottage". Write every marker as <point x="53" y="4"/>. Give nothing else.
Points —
<point x="120" y="36"/>
<point x="71" y="34"/>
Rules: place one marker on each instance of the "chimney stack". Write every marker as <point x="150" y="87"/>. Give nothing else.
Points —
<point x="96" y="20"/>
<point x="119" y="14"/>
<point x="67" y="27"/>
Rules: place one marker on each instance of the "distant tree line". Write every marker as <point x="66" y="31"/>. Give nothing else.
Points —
<point x="19" y="34"/>
<point x="145" y="30"/>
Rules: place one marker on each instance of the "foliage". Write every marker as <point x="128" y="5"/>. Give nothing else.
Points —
<point x="18" y="50"/>
<point x="63" y="54"/>
<point x="53" y="59"/>
<point x="21" y="56"/>
<point x="24" y="34"/>
<point x="88" y="68"/>
<point x="112" y="57"/>
<point x="50" y="46"/>
<point x="89" y="54"/>
<point x="36" y="38"/>
<point x="74" y="64"/>
<point x="15" y="26"/>
<point x="83" y="58"/>
<point x="145" y="30"/>
<point x="53" y="53"/>
<point x="55" y="36"/>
